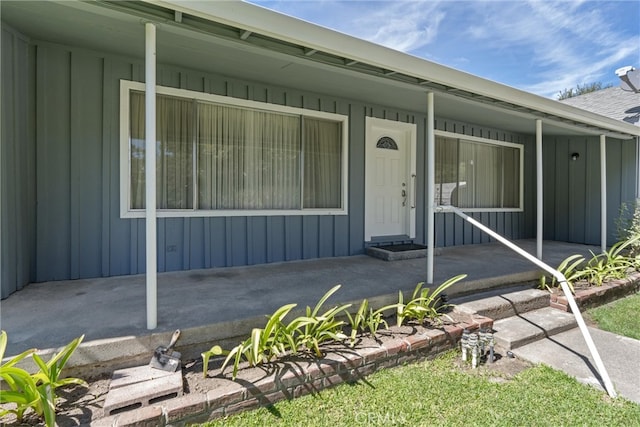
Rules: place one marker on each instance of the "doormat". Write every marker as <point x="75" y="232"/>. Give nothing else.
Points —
<point x="402" y="248"/>
<point x="398" y="252"/>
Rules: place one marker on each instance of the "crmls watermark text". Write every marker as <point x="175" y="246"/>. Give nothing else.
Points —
<point x="379" y="419"/>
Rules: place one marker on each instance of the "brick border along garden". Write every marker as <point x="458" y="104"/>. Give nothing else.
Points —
<point x="297" y="376"/>
<point x="593" y="296"/>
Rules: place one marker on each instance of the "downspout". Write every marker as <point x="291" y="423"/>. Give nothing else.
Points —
<point x="603" y="193"/>
<point x="539" y="190"/>
<point x="431" y="179"/>
<point x="150" y="175"/>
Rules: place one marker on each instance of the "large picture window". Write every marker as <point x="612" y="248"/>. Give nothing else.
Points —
<point x="219" y="156"/>
<point x="478" y="174"/>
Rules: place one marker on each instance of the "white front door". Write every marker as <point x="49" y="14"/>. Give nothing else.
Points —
<point x="390" y="179"/>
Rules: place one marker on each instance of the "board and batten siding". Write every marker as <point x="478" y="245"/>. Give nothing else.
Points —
<point x="76" y="182"/>
<point x="80" y="232"/>
<point x="572" y="187"/>
<point x="17" y="166"/>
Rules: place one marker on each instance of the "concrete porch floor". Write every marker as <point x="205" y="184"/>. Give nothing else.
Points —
<point x="209" y="305"/>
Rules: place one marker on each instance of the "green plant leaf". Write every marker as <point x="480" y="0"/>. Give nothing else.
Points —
<point x="48" y="401"/>
<point x="322" y="300"/>
<point x="216" y="350"/>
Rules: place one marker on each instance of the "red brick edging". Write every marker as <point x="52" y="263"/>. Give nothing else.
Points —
<point x="295" y="377"/>
<point x="598" y="295"/>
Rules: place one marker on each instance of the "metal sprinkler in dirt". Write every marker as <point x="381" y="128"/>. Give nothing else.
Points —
<point x="476" y="345"/>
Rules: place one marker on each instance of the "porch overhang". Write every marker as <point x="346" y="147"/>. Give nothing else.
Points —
<point x="252" y="43"/>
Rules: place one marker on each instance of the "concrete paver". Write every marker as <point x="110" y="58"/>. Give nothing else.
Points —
<point x="568" y="352"/>
<point x="141" y="386"/>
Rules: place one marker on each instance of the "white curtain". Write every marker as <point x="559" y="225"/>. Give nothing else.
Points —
<point x="476" y="175"/>
<point x="174" y="160"/>
<point x="137" y="150"/>
<point x="487" y="178"/>
<point x="244" y="159"/>
<point x="322" y="164"/>
<point x="247" y="159"/>
<point x="511" y="171"/>
<point x="446" y="173"/>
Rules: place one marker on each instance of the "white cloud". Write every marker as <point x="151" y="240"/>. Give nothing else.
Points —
<point x="567" y="43"/>
<point x="539" y="46"/>
<point x="400" y="25"/>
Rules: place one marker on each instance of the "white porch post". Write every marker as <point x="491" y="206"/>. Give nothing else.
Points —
<point x="603" y="193"/>
<point x="539" y="190"/>
<point x="431" y="179"/>
<point x="150" y="175"/>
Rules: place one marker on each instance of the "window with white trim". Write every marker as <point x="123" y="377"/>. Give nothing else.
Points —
<point x="221" y="156"/>
<point x="478" y="174"/>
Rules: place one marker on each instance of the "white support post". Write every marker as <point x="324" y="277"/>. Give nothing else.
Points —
<point x="603" y="193"/>
<point x="150" y="175"/>
<point x="539" y="190"/>
<point x="431" y="179"/>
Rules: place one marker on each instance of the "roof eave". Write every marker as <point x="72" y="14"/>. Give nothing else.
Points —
<point x="293" y="30"/>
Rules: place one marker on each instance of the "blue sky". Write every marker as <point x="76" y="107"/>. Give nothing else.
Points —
<point x="538" y="46"/>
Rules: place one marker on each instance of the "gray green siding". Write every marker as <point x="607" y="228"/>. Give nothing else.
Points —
<point x="17" y="165"/>
<point x="63" y="152"/>
<point x="572" y="188"/>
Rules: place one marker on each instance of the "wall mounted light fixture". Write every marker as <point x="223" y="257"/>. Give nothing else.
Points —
<point x="574" y="156"/>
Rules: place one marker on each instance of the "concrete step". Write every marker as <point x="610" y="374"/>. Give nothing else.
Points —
<point x="500" y="304"/>
<point x="516" y="331"/>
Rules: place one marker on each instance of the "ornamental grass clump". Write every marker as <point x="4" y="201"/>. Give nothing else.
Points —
<point x="278" y="338"/>
<point x="423" y="305"/>
<point x="317" y="325"/>
<point x="367" y="319"/>
<point x="615" y="263"/>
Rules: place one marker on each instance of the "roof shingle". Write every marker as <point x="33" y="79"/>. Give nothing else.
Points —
<point x="610" y="102"/>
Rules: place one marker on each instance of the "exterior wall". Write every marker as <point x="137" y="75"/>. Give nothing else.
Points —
<point x="79" y="230"/>
<point x="572" y="188"/>
<point x="17" y="163"/>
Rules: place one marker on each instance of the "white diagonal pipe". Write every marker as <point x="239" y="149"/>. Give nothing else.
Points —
<point x="565" y="288"/>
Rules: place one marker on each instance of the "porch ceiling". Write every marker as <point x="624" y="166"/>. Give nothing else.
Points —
<point x="201" y="44"/>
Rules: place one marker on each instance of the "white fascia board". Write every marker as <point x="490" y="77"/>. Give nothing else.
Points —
<point x="293" y="30"/>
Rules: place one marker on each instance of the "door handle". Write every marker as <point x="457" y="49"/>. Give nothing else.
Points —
<point x="404" y="196"/>
<point x="413" y="191"/>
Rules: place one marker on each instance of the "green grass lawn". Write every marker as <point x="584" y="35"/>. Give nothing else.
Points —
<point x="621" y="317"/>
<point x="440" y="393"/>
